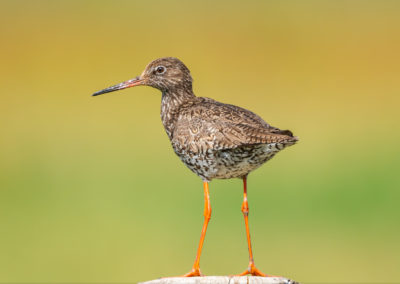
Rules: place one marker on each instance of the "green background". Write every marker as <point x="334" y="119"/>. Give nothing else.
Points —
<point x="91" y="191"/>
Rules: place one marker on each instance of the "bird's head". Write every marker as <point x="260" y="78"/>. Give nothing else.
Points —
<point x="165" y="74"/>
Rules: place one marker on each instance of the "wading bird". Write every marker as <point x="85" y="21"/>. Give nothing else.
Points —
<point x="213" y="139"/>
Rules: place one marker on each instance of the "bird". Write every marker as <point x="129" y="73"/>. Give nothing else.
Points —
<point x="213" y="139"/>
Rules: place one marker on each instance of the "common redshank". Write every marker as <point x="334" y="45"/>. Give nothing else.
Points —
<point x="213" y="139"/>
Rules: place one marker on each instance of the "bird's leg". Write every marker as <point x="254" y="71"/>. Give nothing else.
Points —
<point x="207" y="215"/>
<point x="245" y="209"/>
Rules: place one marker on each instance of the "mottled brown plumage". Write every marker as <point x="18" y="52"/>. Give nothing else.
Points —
<point x="214" y="140"/>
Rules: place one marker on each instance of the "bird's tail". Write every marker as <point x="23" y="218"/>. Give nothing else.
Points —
<point x="289" y="139"/>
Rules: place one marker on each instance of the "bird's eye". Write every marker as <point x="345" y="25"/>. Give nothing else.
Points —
<point x="160" y="69"/>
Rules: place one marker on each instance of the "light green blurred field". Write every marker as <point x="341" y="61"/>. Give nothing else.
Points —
<point x="91" y="191"/>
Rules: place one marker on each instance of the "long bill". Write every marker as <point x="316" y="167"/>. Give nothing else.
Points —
<point x="127" y="84"/>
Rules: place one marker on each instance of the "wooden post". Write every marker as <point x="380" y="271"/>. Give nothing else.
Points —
<point x="222" y="280"/>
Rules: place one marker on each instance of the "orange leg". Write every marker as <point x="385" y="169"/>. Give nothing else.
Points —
<point x="207" y="215"/>
<point x="245" y="209"/>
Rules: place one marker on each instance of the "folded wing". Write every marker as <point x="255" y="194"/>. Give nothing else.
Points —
<point x="210" y="124"/>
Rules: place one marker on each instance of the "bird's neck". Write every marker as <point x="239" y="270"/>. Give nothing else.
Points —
<point x="171" y="102"/>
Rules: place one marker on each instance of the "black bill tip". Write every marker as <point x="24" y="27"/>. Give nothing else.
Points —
<point x="127" y="84"/>
<point x="99" y="93"/>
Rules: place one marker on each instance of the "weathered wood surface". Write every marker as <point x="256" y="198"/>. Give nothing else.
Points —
<point x="222" y="280"/>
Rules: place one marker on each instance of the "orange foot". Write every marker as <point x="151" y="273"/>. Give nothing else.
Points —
<point x="194" y="272"/>
<point x="252" y="270"/>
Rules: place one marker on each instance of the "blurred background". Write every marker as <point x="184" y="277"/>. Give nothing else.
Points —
<point x="91" y="191"/>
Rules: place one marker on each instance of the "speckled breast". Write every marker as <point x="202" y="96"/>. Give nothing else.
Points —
<point x="227" y="163"/>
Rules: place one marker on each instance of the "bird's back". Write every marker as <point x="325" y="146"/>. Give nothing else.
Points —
<point x="217" y="140"/>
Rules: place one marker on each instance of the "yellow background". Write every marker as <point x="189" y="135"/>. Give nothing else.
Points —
<point x="91" y="191"/>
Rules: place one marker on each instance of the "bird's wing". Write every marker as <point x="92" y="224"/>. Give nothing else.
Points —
<point x="211" y="124"/>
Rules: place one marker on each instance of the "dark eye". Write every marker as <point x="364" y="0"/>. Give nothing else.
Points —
<point x="160" y="69"/>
